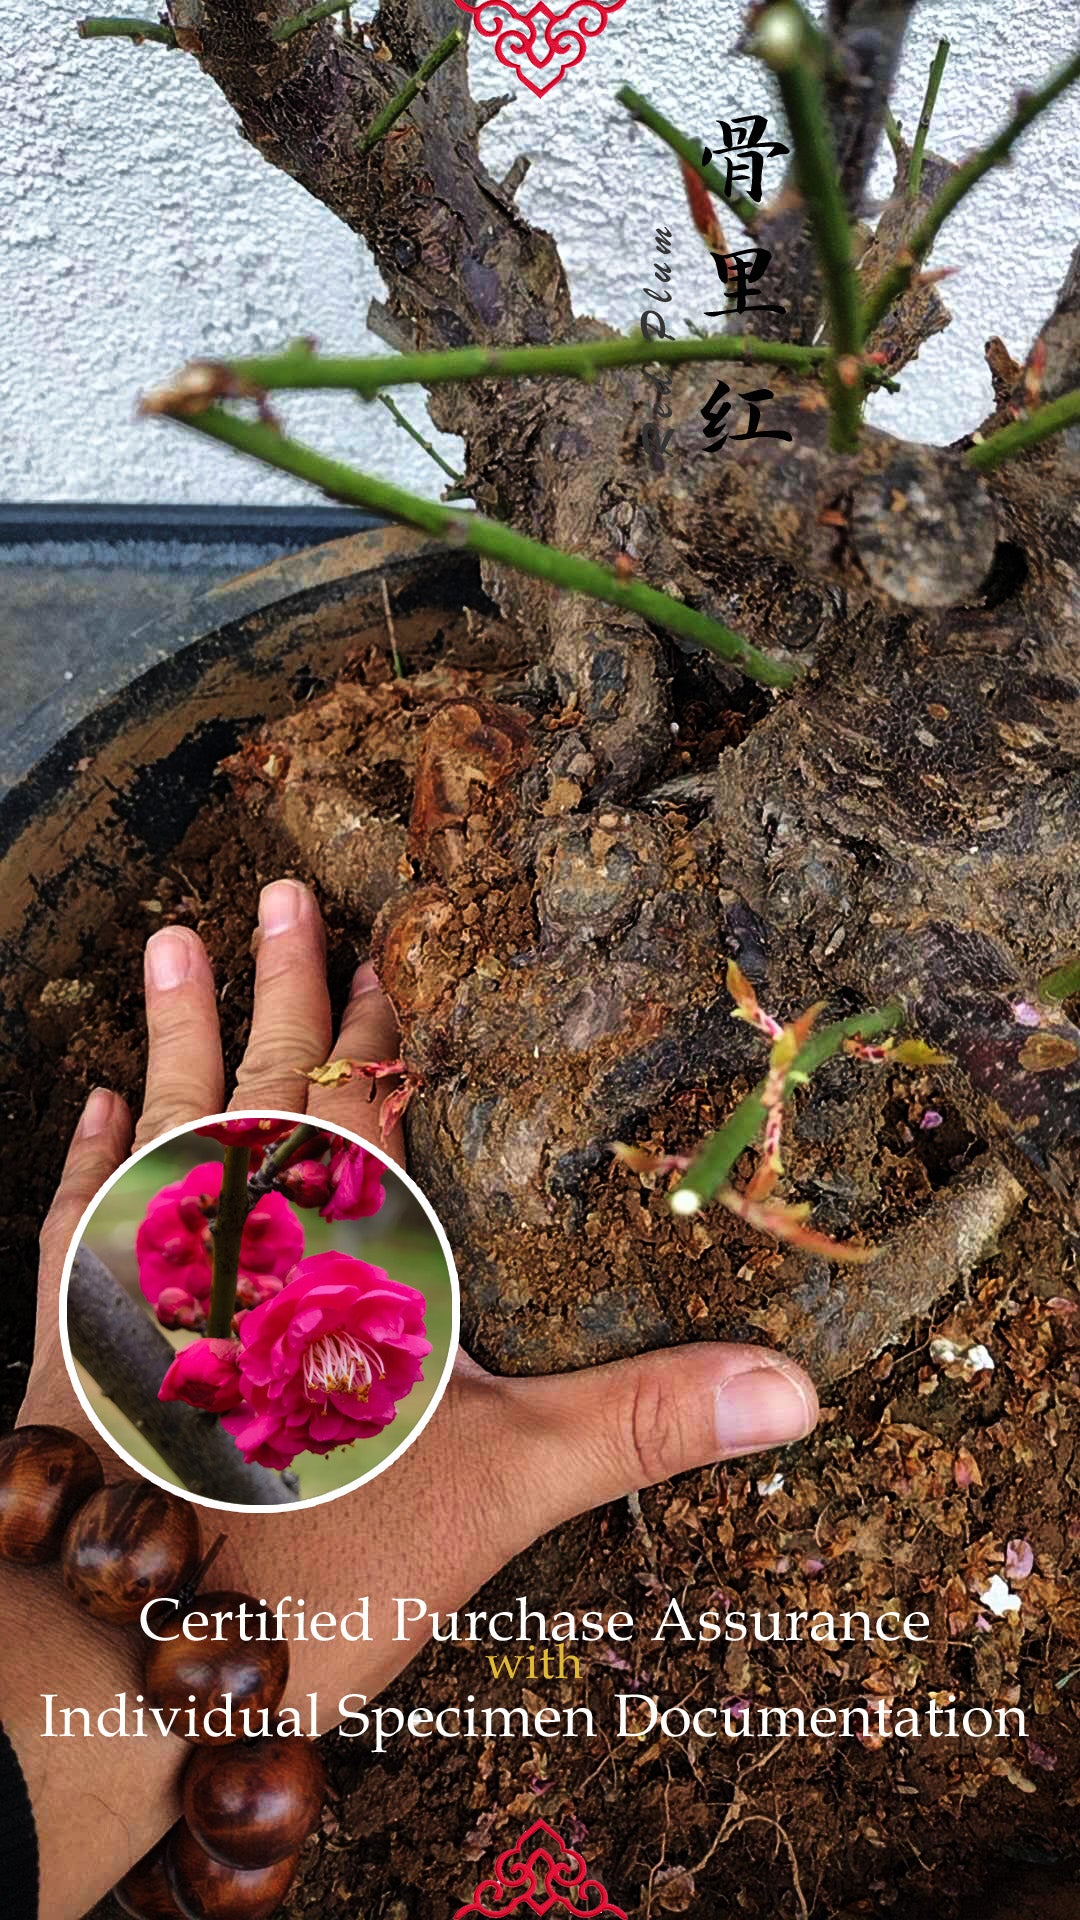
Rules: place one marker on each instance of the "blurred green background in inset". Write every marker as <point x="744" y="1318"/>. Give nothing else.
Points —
<point x="399" y="1238"/>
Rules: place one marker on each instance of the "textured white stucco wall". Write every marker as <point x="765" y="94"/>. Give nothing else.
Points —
<point x="139" y="228"/>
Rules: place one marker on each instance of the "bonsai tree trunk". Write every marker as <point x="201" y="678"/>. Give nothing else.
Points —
<point x="901" y="824"/>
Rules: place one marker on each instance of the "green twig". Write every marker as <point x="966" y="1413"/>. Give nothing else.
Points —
<point x="277" y="1159"/>
<point x="710" y="1168"/>
<point x="114" y="28"/>
<point x="1063" y="983"/>
<point x="894" y="133"/>
<point x="788" y="49"/>
<point x="933" y="87"/>
<point x="691" y="151"/>
<point x="1019" y="435"/>
<point x="487" y="537"/>
<point x="415" y="434"/>
<point x="285" y="29"/>
<point x="228" y="1231"/>
<point x="394" y="108"/>
<point x="897" y="278"/>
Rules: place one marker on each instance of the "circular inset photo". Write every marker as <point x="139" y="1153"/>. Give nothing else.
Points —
<point x="259" y="1311"/>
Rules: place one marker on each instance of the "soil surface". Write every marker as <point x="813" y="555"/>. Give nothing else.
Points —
<point x="924" y="1480"/>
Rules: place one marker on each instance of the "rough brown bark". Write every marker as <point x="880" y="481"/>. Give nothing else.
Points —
<point x="906" y="821"/>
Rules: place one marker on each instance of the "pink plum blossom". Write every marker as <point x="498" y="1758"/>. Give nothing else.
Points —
<point x="356" y="1178"/>
<point x="206" y="1375"/>
<point x="173" y="1246"/>
<point x="327" y="1360"/>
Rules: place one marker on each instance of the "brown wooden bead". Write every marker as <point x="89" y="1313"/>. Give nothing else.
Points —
<point x="207" y="1890"/>
<point x="46" y="1473"/>
<point x="129" y="1544"/>
<point x="253" y="1672"/>
<point x="254" y="1802"/>
<point x="144" y="1891"/>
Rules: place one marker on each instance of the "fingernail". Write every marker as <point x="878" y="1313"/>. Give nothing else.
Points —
<point x="96" y="1114"/>
<point x="280" y="905"/>
<point x="364" y="980"/>
<point x="168" y="959"/>
<point x="763" y="1407"/>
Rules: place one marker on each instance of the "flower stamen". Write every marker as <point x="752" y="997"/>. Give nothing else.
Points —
<point x="340" y="1363"/>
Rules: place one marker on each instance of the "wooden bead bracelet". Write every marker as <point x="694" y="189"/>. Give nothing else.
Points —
<point x="249" y="1804"/>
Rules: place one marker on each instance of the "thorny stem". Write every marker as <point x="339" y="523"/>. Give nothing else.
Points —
<point x="798" y="77"/>
<point x="113" y="28"/>
<point x="415" y="434"/>
<point x="745" y="210"/>
<point x="285" y="29"/>
<point x="933" y="87"/>
<point x="276" y="1160"/>
<point x="897" y="278"/>
<point x="228" y="1229"/>
<point x="394" y="108"/>
<point x="710" y="1168"/>
<point x="488" y="537"/>
<point x="1019" y="435"/>
<point x="300" y="368"/>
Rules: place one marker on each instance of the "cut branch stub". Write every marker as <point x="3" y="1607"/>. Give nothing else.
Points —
<point x="924" y="534"/>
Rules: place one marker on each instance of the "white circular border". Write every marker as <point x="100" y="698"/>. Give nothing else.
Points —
<point x="301" y="1119"/>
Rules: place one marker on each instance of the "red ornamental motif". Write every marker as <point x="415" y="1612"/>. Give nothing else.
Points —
<point x="540" y="1875"/>
<point x="540" y="43"/>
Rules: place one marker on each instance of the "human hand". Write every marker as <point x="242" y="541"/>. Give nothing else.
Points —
<point x="503" y="1460"/>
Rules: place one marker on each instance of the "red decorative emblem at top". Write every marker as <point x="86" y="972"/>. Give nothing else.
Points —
<point x="540" y="43"/>
<point x="540" y="1875"/>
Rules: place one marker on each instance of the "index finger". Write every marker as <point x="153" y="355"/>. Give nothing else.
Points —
<point x="184" y="1075"/>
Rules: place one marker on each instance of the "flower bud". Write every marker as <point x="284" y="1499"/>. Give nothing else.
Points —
<point x="178" y="1308"/>
<point x="247" y="1133"/>
<point x="307" y="1183"/>
<point x="253" y="1288"/>
<point x="207" y="1376"/>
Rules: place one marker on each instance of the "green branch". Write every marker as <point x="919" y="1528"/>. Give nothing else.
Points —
<point x="691" y="151"/>
<point x="285" y="29"/>
<point x="933" y="87"/>
<point x="228" y="1231"/>
<point x="299" y="368"/>
<point x="120" y="29"/>
<point x="787" y="47"/>
<point x="711" y="1167"/>
<point x="893" y="131"/>
<point x="498" y="543"/>
<point x="897" y="278"/>
<point x="1019" y="435"/>
<point x="394" y="108"/>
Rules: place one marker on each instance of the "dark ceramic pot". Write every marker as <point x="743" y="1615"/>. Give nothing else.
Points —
<point x="112" y="795"/>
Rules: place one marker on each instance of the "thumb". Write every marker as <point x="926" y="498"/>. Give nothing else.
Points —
<point x="597" y="1435"/>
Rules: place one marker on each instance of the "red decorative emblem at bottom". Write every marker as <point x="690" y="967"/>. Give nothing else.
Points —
<point x="540" y="43"/>
<point x="540" y="1875"/>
